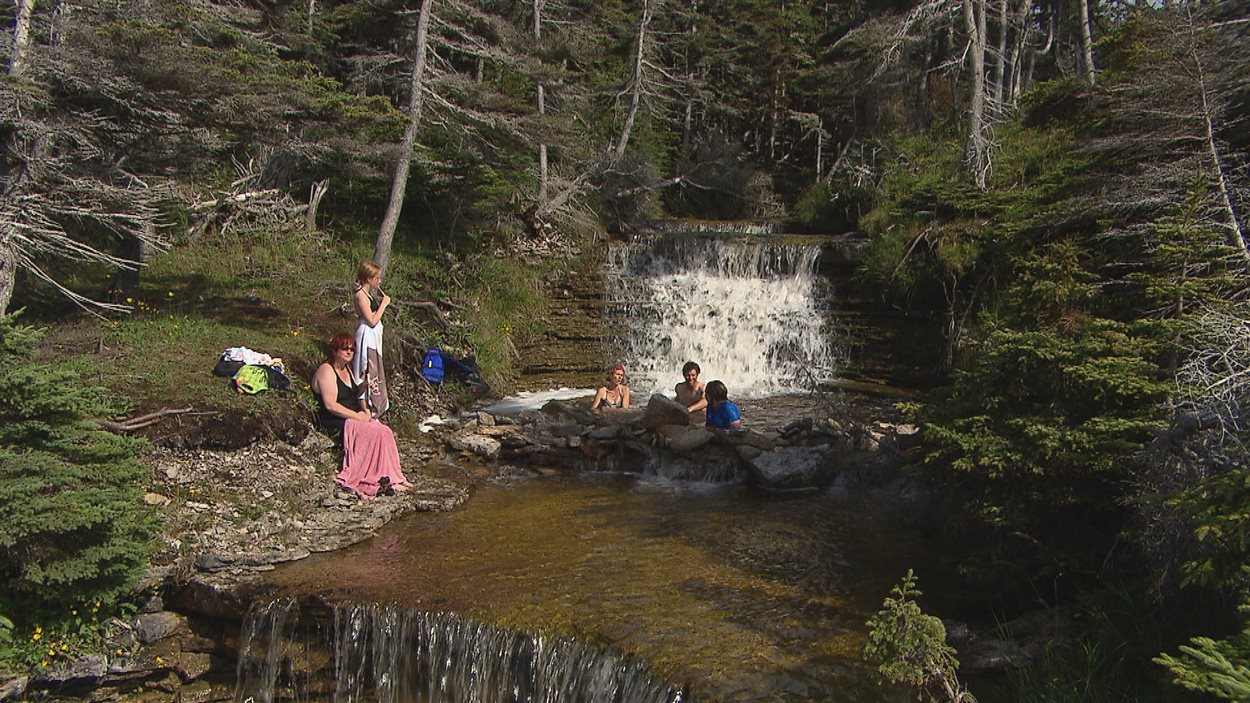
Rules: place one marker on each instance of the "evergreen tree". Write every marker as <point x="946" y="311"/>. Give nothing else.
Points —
<point x="73" y="524"/>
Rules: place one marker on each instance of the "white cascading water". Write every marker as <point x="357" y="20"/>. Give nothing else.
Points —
<point x="749" y="311"/>
<point x="386" y="654"/>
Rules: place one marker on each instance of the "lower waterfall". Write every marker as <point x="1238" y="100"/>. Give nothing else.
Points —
<point x="386" y="654"/>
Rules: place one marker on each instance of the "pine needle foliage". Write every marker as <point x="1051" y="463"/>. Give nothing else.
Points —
<point x="909" y="647"/>
<point x="1217" y="667"/>
<point x="73" y="525"/>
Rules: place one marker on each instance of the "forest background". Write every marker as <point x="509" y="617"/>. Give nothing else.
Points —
<point x="1062" y="182"/>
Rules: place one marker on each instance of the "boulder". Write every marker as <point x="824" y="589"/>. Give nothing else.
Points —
<point x="485" y="447"/>
<point x="606" y="432"/>
<point x="558" y="409"/>
<point x="150" y="627"/>
<point x="683" y="439"/>
<point x="792" y="467"/>
<point x="662" y="410"/>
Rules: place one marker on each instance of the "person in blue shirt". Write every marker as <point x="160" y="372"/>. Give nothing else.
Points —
<point x="721" y="414"/>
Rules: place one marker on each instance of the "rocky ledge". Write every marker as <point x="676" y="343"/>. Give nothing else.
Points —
<point x="659" y="438"/>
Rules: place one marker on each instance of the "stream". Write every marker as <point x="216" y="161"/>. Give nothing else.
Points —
<point x="738" y="595"/>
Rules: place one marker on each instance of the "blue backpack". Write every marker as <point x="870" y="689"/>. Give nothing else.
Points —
<point x="432" y="366"/>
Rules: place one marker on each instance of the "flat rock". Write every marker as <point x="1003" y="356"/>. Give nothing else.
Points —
<point x="89" y="668"/>
<point x="485" y="447"/>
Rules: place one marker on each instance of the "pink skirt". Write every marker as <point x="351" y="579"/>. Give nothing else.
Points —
<point x="369" y="453"/>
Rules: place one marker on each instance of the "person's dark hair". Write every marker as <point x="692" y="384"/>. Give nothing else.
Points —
<point x="342" y="340"/>
<point x="690" y="366"/>
<point x="716" y="392"/>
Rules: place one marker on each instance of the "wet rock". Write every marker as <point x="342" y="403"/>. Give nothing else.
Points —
<point x="485" y="419"/>
<point x="606" y="432"/>
<point x="792" y="467"/>
<point x="684" y="439"/>
<point x="662" y="410"/>
<point x="569" y="412"/>
<point x="150" y="627"/>
<point x="983" y="656"/>
<point x="193" y="665"/>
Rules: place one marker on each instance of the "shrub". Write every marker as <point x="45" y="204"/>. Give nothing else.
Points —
<point x="910" y="647"/>
<point x="73" y="526"/>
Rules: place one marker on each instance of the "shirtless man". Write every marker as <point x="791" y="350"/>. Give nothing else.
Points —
<point x="690" y="391"/>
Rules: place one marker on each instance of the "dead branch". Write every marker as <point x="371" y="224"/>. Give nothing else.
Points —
<point x="137" y="423"/>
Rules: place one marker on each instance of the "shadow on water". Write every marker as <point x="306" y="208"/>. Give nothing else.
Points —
<point x="742" y="596"/>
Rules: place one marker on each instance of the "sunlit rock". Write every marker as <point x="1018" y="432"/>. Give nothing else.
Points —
<point x="792" y="467"/>
<point x="662" y="410"/>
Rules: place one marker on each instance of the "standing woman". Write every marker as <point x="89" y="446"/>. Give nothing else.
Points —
<point x="367" y="369"/>
<point x="613" y="396"/>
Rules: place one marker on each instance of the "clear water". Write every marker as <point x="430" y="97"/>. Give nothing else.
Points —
<point x="739" y="595"/>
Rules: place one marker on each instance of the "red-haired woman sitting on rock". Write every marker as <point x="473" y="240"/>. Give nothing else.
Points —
<point x="370" y="457"/>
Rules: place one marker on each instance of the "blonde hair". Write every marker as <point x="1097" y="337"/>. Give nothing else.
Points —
<point x="366" y="271"/>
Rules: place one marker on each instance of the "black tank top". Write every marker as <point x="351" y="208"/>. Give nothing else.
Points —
<point x="348" y="397"/>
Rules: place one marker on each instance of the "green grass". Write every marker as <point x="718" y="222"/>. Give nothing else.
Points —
<point x="285" y="294"/>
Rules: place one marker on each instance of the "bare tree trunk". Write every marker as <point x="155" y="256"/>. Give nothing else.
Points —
<point x="542" y="108"/>
<point x="976" y="152"/>
<point x="8" y="274"/>
<point x="1087" y="42"/>
<point x="1236" y="232"/>
<point x="315" y="194"/>
<point x="636" y="80"/>
<point x="399" y="184"/>
<point x="820" y="147"/>
<point x="998" y="90"/>
<point x="1015" y="80"/>
<point x="312" y="12"/>
<point x="21" y="36"/>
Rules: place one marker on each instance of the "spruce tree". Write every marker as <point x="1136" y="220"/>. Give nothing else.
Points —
<point x="73" y="525"/>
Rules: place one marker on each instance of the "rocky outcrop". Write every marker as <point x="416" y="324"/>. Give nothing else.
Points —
<point x="658" y="438"/>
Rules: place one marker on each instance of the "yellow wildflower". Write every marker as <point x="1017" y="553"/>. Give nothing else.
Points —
<point x="169" y="294"/>
<point x="35" y="637"/>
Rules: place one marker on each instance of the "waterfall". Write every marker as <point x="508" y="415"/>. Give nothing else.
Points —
<point x="385" y="654"/>
<point x="748" y="310"/>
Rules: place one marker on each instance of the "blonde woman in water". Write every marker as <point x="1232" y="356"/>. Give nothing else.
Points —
<point x="613" y="396"/>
